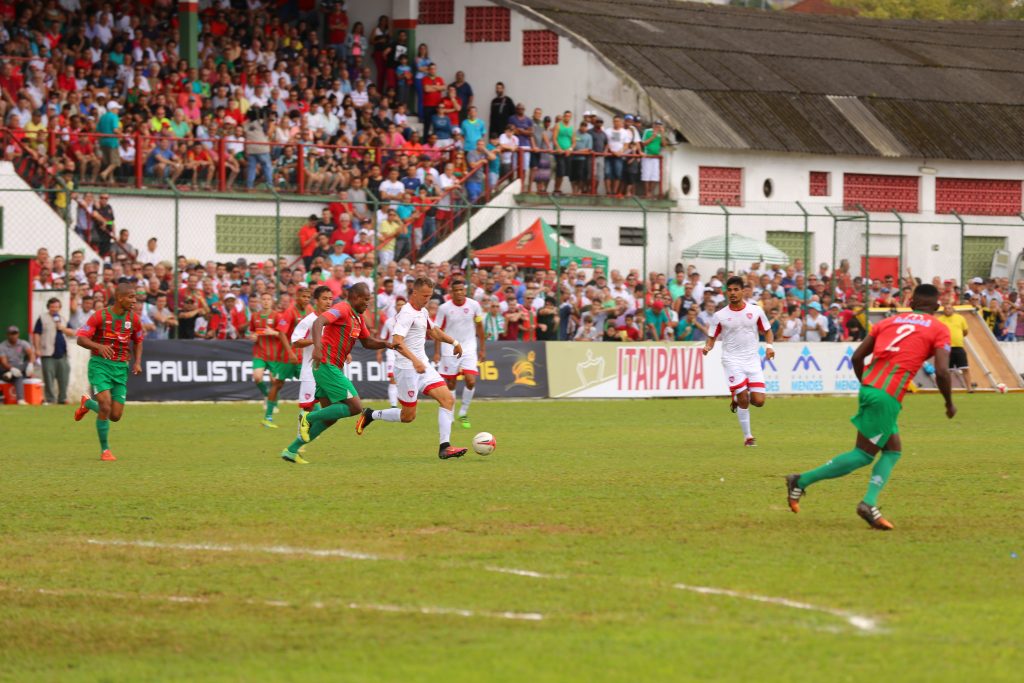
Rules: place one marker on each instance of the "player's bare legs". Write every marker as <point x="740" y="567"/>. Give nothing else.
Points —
<point x="468" y="391"/>
<point x="392" y="391"/>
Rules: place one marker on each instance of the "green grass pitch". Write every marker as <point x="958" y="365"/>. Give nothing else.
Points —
<point x="603" y="508"/>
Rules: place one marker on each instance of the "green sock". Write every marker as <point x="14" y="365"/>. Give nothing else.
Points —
<point x="880" y="475"/>
<point x="838" y="466"/>
<point x="294" y="446"/>
<point x="92" y="405"/>
<point x="103" y="430"/>
<point x="269" y="415"/>
<point x="337" y="411"/>
<point x="316" y="429"/>
<point x="262" y="386"/>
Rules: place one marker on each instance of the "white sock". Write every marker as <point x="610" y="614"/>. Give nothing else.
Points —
<point x="743" y="414"/>
<point x="389" y="415"/>
<point x="467" y="398"/>
<point x="444" y="424"/>
<point x="393" y="395"/>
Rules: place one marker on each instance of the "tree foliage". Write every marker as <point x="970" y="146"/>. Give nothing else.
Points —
<point x="960" y="10"/>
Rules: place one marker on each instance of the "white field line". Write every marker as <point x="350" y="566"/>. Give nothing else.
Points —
<point x="448" y="611"/>
<point x="858" y="621"/>
<point x="195" y="599"/>
<point x="523" y="572"/>
<point x="212" y="547"/>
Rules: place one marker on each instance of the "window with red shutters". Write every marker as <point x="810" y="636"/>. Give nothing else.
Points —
<point x="820" y="183"/>
<point x="540" y="47"/>
<point x="978" y="196"/>
<point x="437" y="12"/>
<point x="488" y="25"/>
<point x="719" y="184"/>
<point x="876" y="192"/>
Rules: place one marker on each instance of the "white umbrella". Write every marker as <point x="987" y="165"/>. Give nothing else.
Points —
<point x="740" y="248"/>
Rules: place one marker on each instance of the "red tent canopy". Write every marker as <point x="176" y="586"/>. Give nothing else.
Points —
<point x="528" y="249"/>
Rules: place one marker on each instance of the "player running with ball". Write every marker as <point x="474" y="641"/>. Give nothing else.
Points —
<point x="108" y="333"/>
<point x="413" y="372"/>
<point x="739" y="325"/>
<point x="335" y="332"/>
<point x="898" y="347"/>
<point x="463" y="319"/>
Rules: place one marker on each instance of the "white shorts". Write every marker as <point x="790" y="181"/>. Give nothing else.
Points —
<point x="650" y="170"/>
<point x="744" y="375"/>
<point x="389" y="363"/>
<point x="451" y="366"/>
<point x="411" y="383"/>
<point x="307" y="393"/>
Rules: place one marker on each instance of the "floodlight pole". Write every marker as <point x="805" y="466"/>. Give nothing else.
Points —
<point x="963" y="240"/>
<point x="726" y="212"/>
<point x="900" y="219"/>
<point x="558" y="251"/>
<point x="867" y="254"/>
<point x="177" y="284"/>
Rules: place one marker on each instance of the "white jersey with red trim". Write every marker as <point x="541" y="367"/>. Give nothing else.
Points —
<point x="738" y="332"/>
<point x="412" y="325"/>
<point x="460" y="322"/>
<point x="304" y="330"/>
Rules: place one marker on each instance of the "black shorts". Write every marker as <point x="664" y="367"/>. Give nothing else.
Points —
<point x="957" y="358"/>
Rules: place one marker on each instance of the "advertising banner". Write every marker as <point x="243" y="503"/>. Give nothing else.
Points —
<point x="199" y="370"/>
<point x="653" y="369"/>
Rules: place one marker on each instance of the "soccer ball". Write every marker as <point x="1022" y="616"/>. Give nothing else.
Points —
<point x="1001" y="388"/>
<point x="484" y="443"/>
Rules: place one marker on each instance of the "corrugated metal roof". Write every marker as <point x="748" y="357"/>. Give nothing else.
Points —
<point x="747" y="79"/>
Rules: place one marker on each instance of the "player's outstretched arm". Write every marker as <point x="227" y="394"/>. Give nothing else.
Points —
<point x="943" y="381"/>
<point x="374" y="343"/>
<point x="861" y="354"/>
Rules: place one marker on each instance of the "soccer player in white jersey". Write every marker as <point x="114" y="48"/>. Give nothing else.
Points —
<point x="388" y="355"/>
<point x="302" y="338"/>
<point x="413" y="372"/>
<point x="739" y="325"/>
<point x="463" y="319"/>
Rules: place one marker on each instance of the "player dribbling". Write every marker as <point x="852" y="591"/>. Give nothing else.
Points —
<point x="739" y="325"/>
<point x="413" y="372"/>
<point x="463" y="319"/>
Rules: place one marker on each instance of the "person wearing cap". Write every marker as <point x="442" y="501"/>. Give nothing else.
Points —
<point x="338" y="257"/>
<point x="108" y="127"/>
<point x="816" y="327"/>
<point x="650" y="165"/>
<point x="17" y="361"/>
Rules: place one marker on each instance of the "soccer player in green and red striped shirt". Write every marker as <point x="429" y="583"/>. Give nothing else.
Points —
<point x="898" y="347"/>
<point x="271" y="351"/>
<point x="334" y="334"/>
<point x="114" y="335"/>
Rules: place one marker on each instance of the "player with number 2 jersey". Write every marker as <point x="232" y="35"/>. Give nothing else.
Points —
<point x="898" y="347"/>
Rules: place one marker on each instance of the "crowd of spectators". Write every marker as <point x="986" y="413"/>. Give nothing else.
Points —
<point x="215" y="300"/>
<point x="278" y="90"/>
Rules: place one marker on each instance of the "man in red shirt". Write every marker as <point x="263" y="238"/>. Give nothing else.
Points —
<point x="433" y="91"/>
<point x="307" y="240"/>
<point x="362" y="248"/>
<point x="451" y="106"/>
<point x="898" y="347"/>
<point x="108" y="334"/>
<point x="344" y="232"/>
<point x="337" y="30"/>
<point x="334" y="335"/>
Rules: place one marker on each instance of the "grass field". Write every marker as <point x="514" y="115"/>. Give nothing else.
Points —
<point x="204" y="570"/>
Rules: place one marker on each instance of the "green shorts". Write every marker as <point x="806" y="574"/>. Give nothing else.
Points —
<point x="258" y="363"/>
<point x="876" y="416"/>
<point x="284" y="371"/>
<point x="332" y="383"/>
<point x="109" y="375"/>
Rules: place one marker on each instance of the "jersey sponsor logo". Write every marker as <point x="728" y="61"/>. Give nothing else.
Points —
<point x="806" y="360"/>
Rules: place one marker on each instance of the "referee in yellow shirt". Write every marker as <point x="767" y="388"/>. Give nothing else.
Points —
<point x="957" y="325"/>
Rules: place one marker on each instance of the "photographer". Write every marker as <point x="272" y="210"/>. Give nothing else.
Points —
<point x="257" y="149"/>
